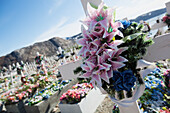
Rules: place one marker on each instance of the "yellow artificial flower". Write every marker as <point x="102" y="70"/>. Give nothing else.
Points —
<point x="113" y="39"/>
<point x="164" y="108"/>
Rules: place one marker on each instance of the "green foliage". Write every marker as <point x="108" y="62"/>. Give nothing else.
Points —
<point x="78" y="70"/>
<point x="137" y="47"/>
<point x="132" y="29"/>
<point x="49" y="73"/>
<point x="83" y="80"/>
<point x="2" y="81"/>
<point x="95" y="7"/>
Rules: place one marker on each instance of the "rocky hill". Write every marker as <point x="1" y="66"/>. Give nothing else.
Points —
<point x="27" y="54"/>
<point x="149" y="15"/>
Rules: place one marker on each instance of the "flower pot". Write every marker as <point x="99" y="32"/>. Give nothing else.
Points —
<point x="1" y="107"/>
<point x="16" y="108"/>
<point x="50" y="103"/>
<point x="44" y="106"/>
<point x="87" y="104"/>
<point x="41" y="107"/>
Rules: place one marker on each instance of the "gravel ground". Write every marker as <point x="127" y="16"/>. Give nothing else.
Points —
<point x="106" y="106"/>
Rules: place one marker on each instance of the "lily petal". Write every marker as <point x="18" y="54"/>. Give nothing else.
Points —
<point x="112" y="53"/>
<point x="109" y="37"/>
<point x="117" y="65"/>
<point x="109" y="12"/>
<point x="100" y="50"/>
<point x="117" y="42"/>
<point x="121" y="59"/>
<point x="82" y="41"/>
<point x="97" y="42"/>
<point x="100" y="59"/>
<point x="85" y="67"/>
<point x="100" y="7"/>
<point x="92" y="59"/>
<point x="84" y="32"/>
<point x="121" y="50"/>
<point x="93" y="23"/>
<point x="91" y="11"/>
<point x="98" y="34"/>
<point x="91" y="65"/>
<point x="107" y="66"/>
<point x="101" y="67"/>
<point x="97" y="79"/>
<point x="110" y="73"/>
<point x="104" y="23"/>
<point x="105" y="55"/>
<point x="81" y="52"/>
<point x="104" y="76"/>
<point x="87" y="74"/>
<point x="116" y="25"/>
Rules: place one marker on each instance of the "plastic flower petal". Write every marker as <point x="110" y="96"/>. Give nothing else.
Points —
<point x="97" y="79"/>
<point x="116" y="65"/>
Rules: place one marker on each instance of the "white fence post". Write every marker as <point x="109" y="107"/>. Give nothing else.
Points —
<point x="10" y="72"/>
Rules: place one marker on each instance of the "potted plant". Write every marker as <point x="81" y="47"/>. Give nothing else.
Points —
<point x="80" y="99"/>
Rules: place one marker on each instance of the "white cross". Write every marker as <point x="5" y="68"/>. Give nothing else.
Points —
<point x="158" y="51"/>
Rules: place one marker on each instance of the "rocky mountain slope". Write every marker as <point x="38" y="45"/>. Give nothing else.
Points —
<point x="27" y="54"/>
<point x="149" y="15"/>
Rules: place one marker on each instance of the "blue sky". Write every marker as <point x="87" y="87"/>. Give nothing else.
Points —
<point x="24" y="22"/>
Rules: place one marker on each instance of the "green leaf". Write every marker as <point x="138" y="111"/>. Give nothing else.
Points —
<point x="77" y="70"/>
<point x="140" y="26"/>
<point x="110" y="29"/>
<point x="95" y="7"/>
<point x="134" y="24"/>
<point x="114" y="15"/>
<point x="105" y="7"/>
<point x="148" y="43"/>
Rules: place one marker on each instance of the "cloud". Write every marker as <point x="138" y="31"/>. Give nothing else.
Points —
<point x="62" y="30"/>
<point x="52" y="31"/>
<point x="69" y="30"/>
<point x="133" y="8"/>
<point x="56" y="4"/>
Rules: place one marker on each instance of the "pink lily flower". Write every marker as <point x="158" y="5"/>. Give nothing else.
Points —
<point x="92" y="59"/>
<point x="96" y="16"/>
<point x="116" y="60"/>
<point x="100" y="51"/>
<point x="93" y="46"/>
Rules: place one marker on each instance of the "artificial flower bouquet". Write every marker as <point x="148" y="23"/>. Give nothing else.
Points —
<point x="76" y="94"/>
<point x="110" y="51"/>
